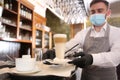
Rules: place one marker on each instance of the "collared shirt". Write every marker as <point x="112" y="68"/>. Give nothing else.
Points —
<point x="98" y="34"/>
<point x="104" y="59"/>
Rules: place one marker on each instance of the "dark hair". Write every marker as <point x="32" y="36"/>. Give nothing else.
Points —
<point x="97" y="1"/>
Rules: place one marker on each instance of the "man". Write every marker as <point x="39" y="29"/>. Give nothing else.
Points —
<point x="100" y="44"/>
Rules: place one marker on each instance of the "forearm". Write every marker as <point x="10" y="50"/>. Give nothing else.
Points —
<point x="106" y="59"/>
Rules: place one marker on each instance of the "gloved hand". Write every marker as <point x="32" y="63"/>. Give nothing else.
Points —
<point x="49" y="54"/>
<point x="84" y="61"/>
<point x="77" y="54"/>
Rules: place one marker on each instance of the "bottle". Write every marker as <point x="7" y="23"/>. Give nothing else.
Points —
<point x="26" y="13"/>
<point x="7" y="4"/>
<point x="30" y="14"/>
<point x="21" y="10"/>
<point x="10" y="4"/>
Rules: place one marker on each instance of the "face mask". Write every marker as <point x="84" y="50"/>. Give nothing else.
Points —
<point x="97" y="19"/>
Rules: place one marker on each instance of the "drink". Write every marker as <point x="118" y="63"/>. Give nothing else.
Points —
<point x="60" y="40"/>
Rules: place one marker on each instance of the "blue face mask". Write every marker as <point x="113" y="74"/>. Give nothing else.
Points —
<point x="97" y="19"/>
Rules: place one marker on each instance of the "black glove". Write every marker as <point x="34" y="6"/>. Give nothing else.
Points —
<point x="75" y="55"/>
<point x="84" y="61"/>
<point x="49" y="54"/>
<point x="79" y="54"/>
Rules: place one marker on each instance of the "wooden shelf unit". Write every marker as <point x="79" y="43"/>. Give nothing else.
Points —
<point x="18" y="26"/>
<point x="24" y="30"/>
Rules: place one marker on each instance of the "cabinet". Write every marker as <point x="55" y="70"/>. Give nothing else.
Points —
<point x="47" y="40"/>
<point x="17" y="25"/>
<point x="41" y="37"/>
<point x="25" y="20"/>
<point x="38" y="40"/>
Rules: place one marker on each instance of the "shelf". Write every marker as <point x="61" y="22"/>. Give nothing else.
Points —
<point x="13" y="25"/>
<point x="10" y="11"/>
<point x="9" y="17"/>
<point x="24" y="18"/>
<point x="15" y="40"/>
<point x="28" y="29"/>
<point x="38" y="28"/>
<point x="24" y="41"/>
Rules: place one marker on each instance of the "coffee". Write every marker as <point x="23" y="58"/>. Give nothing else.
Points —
<point x="60" y="40"/>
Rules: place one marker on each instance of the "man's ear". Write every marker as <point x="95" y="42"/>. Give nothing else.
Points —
<point x="109" y="13"/>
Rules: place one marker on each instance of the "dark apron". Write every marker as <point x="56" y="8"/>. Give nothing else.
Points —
<point x="97" y="45"/>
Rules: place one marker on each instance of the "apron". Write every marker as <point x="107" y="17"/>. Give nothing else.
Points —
<point x="97" y="45"/>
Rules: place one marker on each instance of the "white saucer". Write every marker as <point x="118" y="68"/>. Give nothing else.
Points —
<point x="58" y="63"/>
<point x="26" y="72"/>
<point x="61" y="61"/>
<point x="56" y="66"/>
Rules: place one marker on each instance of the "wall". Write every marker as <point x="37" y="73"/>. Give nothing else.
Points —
<point x="56" y="25"/>
<point x="115" y="21"/>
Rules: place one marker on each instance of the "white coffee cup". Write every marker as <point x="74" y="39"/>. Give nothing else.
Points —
<point x="26" y="56"/>
<point x="25" y="64"/>
<point x="59" y="41"/>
